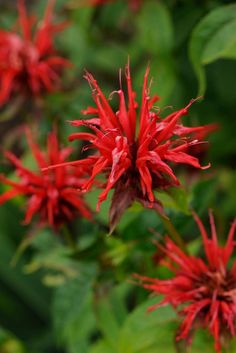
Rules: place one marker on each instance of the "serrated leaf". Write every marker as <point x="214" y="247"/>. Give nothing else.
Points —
<point x="213" y="38"/>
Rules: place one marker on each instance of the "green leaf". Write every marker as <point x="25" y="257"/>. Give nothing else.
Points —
<point x="213" y="38"/>
<point x="102" y="347"/>
<point x="154" y="28"/>
<point x="28" y="289"/>
<point x="111" y="313"/>
<point x="176" y="199"/>
<point x="222" y="44"/>
<point x="148" y="332"/>
<point x="10" y="344"/>
<point x="202" y="342"/>
<point x="72" y="311"/>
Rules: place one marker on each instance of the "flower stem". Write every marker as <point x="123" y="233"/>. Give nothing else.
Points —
<point x="173" y="233"/>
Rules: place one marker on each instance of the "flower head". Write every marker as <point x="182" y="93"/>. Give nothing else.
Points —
<point x="204" y="291"/>
<point x="135" y="150"/>
<point x="54" y="195"/>
<point x="28" y="60"/>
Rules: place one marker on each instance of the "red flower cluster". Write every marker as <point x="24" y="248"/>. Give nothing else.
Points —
<point x="205" y="291"/>
<point x="28" y="62"/>
<point x="136" y="154"/>
<point x="54" y="195"/>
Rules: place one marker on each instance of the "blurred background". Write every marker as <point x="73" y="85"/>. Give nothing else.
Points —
<point x="59" y="301"/>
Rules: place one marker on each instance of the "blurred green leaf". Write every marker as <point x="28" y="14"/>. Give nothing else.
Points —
<point x="111" y="312"/>
<point x="154" y="28"/>
<point x="148" y="332"/>
<point x="222" y="44"/>
<point x="102" y="347"/>
<point x="202" y="342"/>
<point x="213" y="38"/>
<point x="73" y="318"/>
<point x="51" y="255"/>
<point x="176" y="199"/>
<point x="118" y="250"/>
<point x="27" y="288"/>
<point x="10" y="344"/>
<point x="203" y="194"/>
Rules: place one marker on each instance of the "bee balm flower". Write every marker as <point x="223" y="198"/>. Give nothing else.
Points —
<point x="29" y="63"/>
<point x="135" y="149"/>
<point x="205" y="291"/>
<point x="53" y="195"/>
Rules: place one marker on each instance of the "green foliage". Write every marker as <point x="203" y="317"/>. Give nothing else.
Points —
<point x="155" y="28"/>
<point x="72" y="290"/>
<point x="212" y="39"/>
<point x="73" y="318"/>
<point x="144" y="332"/>
<point x="10" y="344"/>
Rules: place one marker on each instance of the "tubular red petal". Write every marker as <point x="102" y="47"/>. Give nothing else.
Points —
<point x="24" y="20"/>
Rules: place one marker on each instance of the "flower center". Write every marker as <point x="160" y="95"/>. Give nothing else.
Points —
<point x="220" y="283"/>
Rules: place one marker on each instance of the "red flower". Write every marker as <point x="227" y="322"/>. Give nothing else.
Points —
<point x="28" y="61"/>
<point x="204" y="290"/>
<point x="134" y="153"/>
<point x="54" y="195"/>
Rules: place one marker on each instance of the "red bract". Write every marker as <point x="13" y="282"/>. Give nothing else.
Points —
<point x="28" y="61"/>
<point x="205" y="291"/>
<point x="54" y="195"/>
<point x="134" y="162"/>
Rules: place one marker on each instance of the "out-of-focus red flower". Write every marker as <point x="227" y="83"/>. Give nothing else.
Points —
<point x="134" y="149"/>
<point x="204" y="291"/>
<point x="29" y="63"/>
<point x="54" y="195"/>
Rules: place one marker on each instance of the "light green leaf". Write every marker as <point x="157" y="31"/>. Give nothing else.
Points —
<point x="222" y="44"/>
<point x="102" y="347"/>
<point x="213" y="38"/>
<point x="148" y="332"/>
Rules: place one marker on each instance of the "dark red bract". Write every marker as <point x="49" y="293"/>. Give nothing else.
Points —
<point x="53" y="195"/>
<point x="29" y="63"/>
<point x="204" y="291"/>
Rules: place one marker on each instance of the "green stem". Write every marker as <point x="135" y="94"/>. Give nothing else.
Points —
<point x="173" y="233"/>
